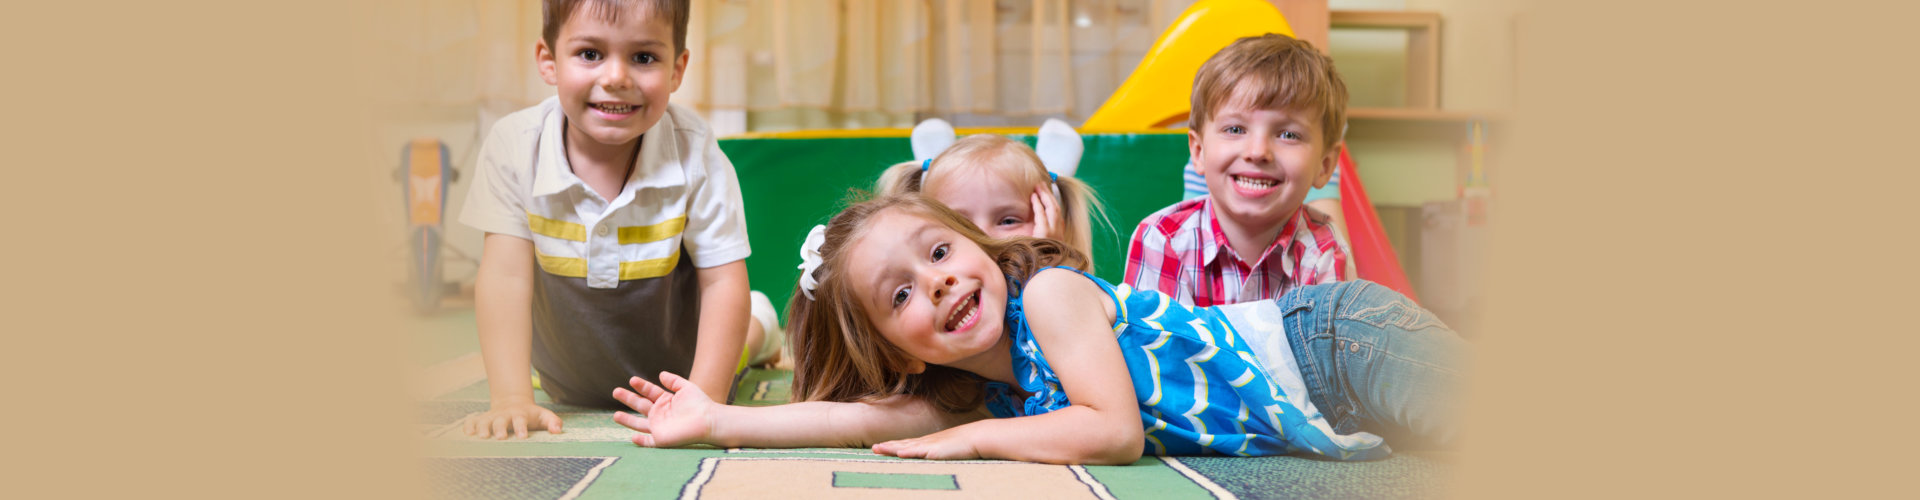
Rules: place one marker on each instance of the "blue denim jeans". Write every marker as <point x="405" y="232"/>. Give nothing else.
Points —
<point x="1374" y="361"/>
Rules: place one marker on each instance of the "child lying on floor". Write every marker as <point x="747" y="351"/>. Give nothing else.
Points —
<point x="913" y="335"/>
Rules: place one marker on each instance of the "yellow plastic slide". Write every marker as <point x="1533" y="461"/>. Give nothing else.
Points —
<point x="1158" y="92"/>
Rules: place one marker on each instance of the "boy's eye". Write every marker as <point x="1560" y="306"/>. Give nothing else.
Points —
<point x="644" y="58"/>
<point x="1234" y="129"/>
<point x="1290" y="135"/>
<point x="1008" y="221"/>
<point x="900" y="296"/>
<point x="590" y="55"/>
<point x="939" y="252"/>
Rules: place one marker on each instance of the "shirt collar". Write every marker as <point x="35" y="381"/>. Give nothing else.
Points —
<point x="1213" y="240"/>
<point x="553" y="175"/>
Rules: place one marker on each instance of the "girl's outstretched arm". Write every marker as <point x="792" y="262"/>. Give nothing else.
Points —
<point x="1103" y="424"/>
<point x="681" y="414"/>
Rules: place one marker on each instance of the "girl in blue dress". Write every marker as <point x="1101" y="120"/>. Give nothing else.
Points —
<point x="919" y="336"/>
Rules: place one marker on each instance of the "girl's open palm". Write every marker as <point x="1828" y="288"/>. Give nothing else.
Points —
<point x="678" y="415"/>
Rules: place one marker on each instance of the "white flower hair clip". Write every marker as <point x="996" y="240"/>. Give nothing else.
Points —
<point x="810" y="259"/>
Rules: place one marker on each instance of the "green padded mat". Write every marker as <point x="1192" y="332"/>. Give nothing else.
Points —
<point x="593" y="459"/>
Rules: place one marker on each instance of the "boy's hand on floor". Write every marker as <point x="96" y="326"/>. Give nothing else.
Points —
<point x="517" y="417"/>
<point x="677" y="415"/>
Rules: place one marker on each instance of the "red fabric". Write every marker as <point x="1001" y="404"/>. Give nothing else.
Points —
<point x="1372" y="254"/>
<point x="1182" y="252"/>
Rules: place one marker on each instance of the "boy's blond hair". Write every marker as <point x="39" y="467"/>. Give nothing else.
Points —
<point x="840" y="356"/>
<point x="1285" y="73"/>
<point x="555" y="13"/>
<point x="992" y="152"/>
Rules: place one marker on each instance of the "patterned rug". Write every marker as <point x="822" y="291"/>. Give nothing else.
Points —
<point x="594" y="459"/>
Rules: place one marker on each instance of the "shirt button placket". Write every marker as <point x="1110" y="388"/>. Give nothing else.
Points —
<point x="603" y="271"/>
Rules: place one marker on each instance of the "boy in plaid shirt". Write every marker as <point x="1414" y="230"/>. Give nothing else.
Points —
<point x="1266" y="123"/>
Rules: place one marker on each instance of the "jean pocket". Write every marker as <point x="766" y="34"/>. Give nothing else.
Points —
<point x="1288" y="307"/>
<point x="1397" y="312"/>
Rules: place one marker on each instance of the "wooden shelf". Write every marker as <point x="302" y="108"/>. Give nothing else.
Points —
<point x="1412" y="114"/>
<point x="1403" y="124"/>
<point x="1423" y="47"/>
<point x="1384" y="19"/>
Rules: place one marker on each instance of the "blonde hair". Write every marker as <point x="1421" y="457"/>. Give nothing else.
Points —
<point x="1286" y="73"/>
<point x="840" y="356"/>
<point x="1011" y="160"/>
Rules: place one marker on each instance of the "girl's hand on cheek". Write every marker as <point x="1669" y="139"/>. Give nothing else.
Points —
<point x="950" y="444"/>
<point x="1046" y="212"/>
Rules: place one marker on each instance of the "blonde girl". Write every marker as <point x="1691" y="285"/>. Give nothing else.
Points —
<point x="1001" y="185"/>
<point x="920" y="336"/>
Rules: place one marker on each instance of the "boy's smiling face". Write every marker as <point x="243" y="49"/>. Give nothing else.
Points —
<point x="1259" y="163"/>
<point x="613" y="77"/>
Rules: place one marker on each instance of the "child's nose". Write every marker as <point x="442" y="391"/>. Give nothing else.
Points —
<point x="614" y="76"/>
<point x="946" y="285"/>
<point x="1258" y="151"/>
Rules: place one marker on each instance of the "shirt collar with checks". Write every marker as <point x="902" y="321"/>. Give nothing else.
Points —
<point x="1213" y="242"/>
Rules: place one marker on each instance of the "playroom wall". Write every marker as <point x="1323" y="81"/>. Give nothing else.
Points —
<point x="466" y="63"/>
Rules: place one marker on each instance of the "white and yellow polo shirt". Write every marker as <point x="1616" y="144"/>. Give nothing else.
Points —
<point x="616" y="294"/>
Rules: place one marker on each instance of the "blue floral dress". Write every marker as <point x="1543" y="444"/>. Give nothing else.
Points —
<point x="1201" y="388"/>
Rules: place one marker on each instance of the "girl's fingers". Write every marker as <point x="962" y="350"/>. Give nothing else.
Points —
<point x="643" y="439"/>
<point x="673" y="382"/>
<point x="631" y="421"/>
<point x="893" y="448"/>
<point x="499" y="429"/>
<point x="645" y="388"/>
<point x="1053" y="208"/>
<point x="520" y="426"/>
<point x="632" y="400"/>
<point x="1040" y="226"/>
<point x="552" y="422"/>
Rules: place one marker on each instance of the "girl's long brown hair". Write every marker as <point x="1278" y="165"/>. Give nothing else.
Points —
<point x="840" y="356"/>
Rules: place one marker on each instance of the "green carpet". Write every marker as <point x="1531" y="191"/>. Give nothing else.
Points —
<point x="594" y="459"/>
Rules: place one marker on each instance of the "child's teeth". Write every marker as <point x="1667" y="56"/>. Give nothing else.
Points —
<point x="1253" y="183"/>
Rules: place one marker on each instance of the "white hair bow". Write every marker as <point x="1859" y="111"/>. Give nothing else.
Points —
<point x="810" y="259"/>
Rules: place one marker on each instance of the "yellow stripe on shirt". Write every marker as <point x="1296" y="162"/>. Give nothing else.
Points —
<point x="650" y="268"/>
<point x="561" y="266"/>
<point x="557" y="229"/>
<point x="573" y="267"/>
<point x="656" y="232"/>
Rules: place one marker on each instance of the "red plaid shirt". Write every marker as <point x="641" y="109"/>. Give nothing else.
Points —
<point x="1179" y="251"/>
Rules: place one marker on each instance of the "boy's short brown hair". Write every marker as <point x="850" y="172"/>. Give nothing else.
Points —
<point x="556" y="12"/>
<point x="1286" y="73"/>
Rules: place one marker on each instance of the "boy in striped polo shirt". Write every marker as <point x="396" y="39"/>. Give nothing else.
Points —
<point x="615" y="242"/>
